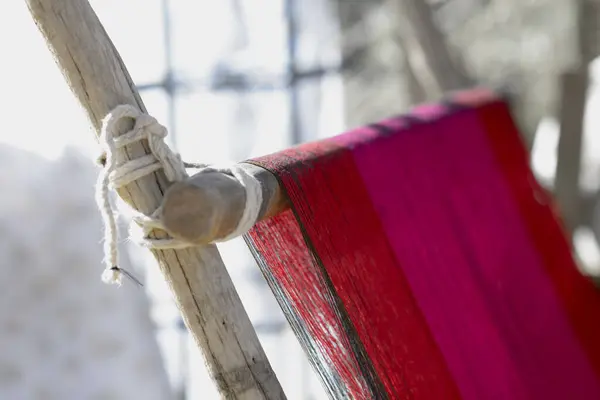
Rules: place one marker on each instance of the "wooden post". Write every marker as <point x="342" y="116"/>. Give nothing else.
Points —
<point x="568" y="168"/>
<point x="445" y="66"/>
<point x="574" y="87"/>
<point x="198" y="278"/>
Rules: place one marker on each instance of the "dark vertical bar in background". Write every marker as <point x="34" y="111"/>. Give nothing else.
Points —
<point x="295" y="132"/>
<point x="169" y="78"/>
<point x="292" y="73"/>
<point x="169" y="86"/>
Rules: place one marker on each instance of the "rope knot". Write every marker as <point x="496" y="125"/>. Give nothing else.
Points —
<point x="119" y="171"/>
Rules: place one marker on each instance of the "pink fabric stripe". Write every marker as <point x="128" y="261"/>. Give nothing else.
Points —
<point x="428" y="253"/>
<point x="429" y="111"/>
<point x="520" y="293"/>
<point x="476" y="276"/>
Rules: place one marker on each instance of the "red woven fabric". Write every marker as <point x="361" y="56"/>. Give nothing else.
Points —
<point x="420" y="260"/>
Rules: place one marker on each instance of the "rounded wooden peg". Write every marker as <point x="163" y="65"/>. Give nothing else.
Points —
<point x="209" y="205"/>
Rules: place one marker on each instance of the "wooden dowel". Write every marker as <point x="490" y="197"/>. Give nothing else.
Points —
<point x="200" y="283"/>
<point x="208" y="206"/>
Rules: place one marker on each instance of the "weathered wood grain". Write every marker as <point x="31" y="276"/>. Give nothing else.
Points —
<point x="197" y="277"/>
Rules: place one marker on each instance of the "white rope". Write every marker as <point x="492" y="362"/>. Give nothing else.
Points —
<point x="118" y="171"/>
<point x="253" y="200"/>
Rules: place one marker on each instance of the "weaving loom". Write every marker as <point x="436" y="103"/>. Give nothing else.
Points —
<point x="421" y="260"/>
<point x="416" y="258"/>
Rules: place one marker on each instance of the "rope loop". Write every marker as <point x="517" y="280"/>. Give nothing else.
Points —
<point x="118" y="171"/>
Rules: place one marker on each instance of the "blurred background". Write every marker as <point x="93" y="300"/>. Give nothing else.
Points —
<point x="234" y="79"/>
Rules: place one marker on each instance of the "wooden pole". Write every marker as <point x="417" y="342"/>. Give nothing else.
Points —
<point x="568" y="167"/>
<point x="574" y="88"/>
<point x="445" y="67"/>
<point x="198" y="278"/>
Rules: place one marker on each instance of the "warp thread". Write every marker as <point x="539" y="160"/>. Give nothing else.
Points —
<point x="119" y="171"/>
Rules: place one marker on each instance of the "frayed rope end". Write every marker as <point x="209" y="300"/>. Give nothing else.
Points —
<point x="113" y="276"/>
